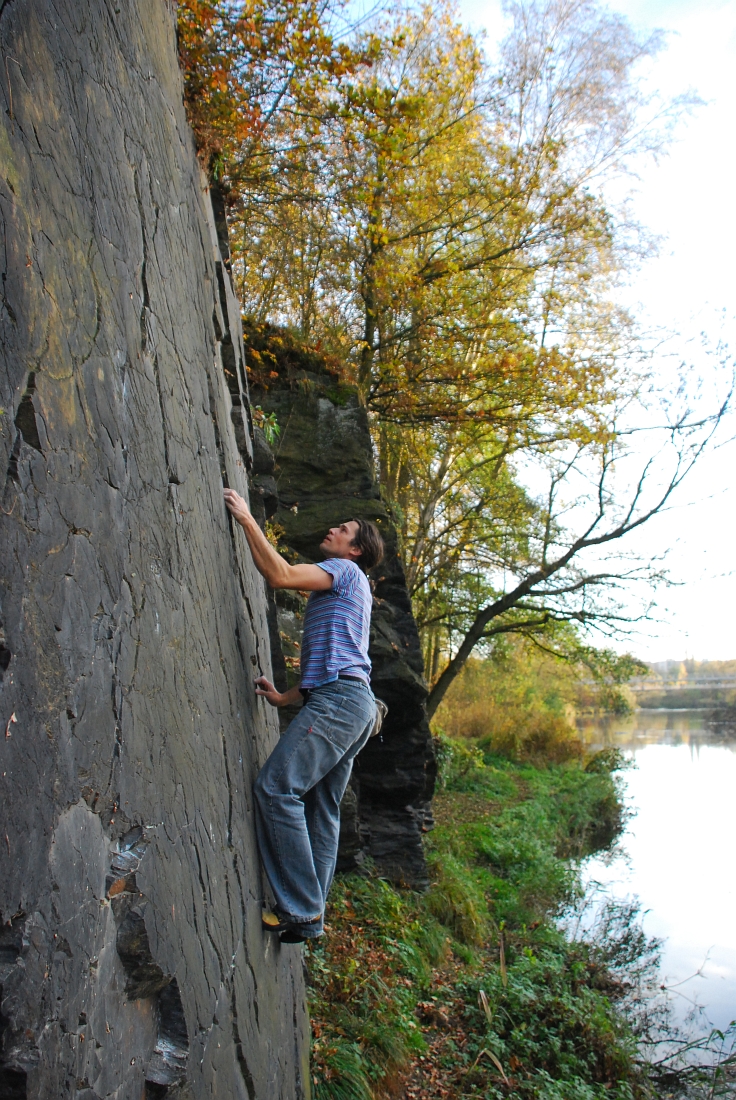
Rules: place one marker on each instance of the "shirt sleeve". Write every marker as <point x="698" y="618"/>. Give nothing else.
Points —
<point x="344" y="575"/>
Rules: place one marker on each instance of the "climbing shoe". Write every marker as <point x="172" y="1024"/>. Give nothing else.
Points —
<point x="287" y="931"/>
<point x="272" y="922"/>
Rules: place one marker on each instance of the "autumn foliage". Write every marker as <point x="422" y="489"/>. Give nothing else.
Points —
<point x="435" y="226"/>
<point x="242" y="63"/>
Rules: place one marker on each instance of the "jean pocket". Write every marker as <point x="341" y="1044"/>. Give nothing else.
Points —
<point x="346" y="723"/>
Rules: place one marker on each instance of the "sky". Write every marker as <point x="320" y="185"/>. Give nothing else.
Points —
<point x="688" y="199"/>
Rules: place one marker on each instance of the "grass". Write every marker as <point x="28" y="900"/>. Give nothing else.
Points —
<point x="472" y="990"/>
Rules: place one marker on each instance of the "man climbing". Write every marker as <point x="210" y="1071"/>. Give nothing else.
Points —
<point x="299" y="788"/>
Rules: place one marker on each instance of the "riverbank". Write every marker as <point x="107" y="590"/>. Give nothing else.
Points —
<point x="472" y="989"/>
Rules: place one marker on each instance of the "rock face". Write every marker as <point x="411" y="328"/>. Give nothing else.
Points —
<point x="324" y="475"/>
<point x="132" y="962"/>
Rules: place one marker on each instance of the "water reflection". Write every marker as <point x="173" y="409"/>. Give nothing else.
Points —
<point x="656" y="727"/>
<point x="678" y="850"/>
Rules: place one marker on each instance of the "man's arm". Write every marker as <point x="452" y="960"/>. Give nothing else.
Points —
<point x="268" y="562"/>
<point x="277" y="698"/>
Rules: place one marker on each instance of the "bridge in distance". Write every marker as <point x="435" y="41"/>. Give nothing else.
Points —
<point x="661" y="684"/>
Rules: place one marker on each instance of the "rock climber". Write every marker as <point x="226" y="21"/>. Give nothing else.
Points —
<point x="299" y="788"/>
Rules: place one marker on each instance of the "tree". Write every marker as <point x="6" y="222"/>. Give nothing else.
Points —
<point x="441" y="238"/>
<point x="439" y="225"/>
<point x="245" y="63"/>
<point x="521" y="699"/>
<point x="574" y="571"/>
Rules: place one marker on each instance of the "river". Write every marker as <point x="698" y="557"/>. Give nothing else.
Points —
<point x="677" y="854"/>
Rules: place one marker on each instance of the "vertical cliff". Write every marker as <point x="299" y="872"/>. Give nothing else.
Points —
<point x="131" y="957"/>
<point x="324" y="474"/>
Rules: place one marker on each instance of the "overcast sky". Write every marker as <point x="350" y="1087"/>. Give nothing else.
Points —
<point x="689" y="199"/>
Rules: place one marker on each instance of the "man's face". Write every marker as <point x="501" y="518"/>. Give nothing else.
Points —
<point x="337" y="543"/>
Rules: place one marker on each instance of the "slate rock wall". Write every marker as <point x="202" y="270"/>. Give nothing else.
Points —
<point x="324" y="474"/>
<point x="132" y="962"/>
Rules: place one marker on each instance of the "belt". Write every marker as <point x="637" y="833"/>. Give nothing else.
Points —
<point x="306" y="692"/>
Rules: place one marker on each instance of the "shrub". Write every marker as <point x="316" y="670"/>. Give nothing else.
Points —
<point x="456" y="899"/>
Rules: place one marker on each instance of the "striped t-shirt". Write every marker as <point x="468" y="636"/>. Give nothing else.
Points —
<point x="336" y="626"/>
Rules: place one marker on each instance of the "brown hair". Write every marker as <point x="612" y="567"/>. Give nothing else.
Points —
<point x="370" y="543"/>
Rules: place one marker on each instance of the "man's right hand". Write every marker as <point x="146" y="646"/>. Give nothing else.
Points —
<point x="269" y="563"/>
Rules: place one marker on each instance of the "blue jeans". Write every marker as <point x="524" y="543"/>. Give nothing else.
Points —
<point x="298" y="793"/>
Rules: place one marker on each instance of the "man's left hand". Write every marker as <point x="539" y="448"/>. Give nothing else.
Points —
<point x="238" y="507"/>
